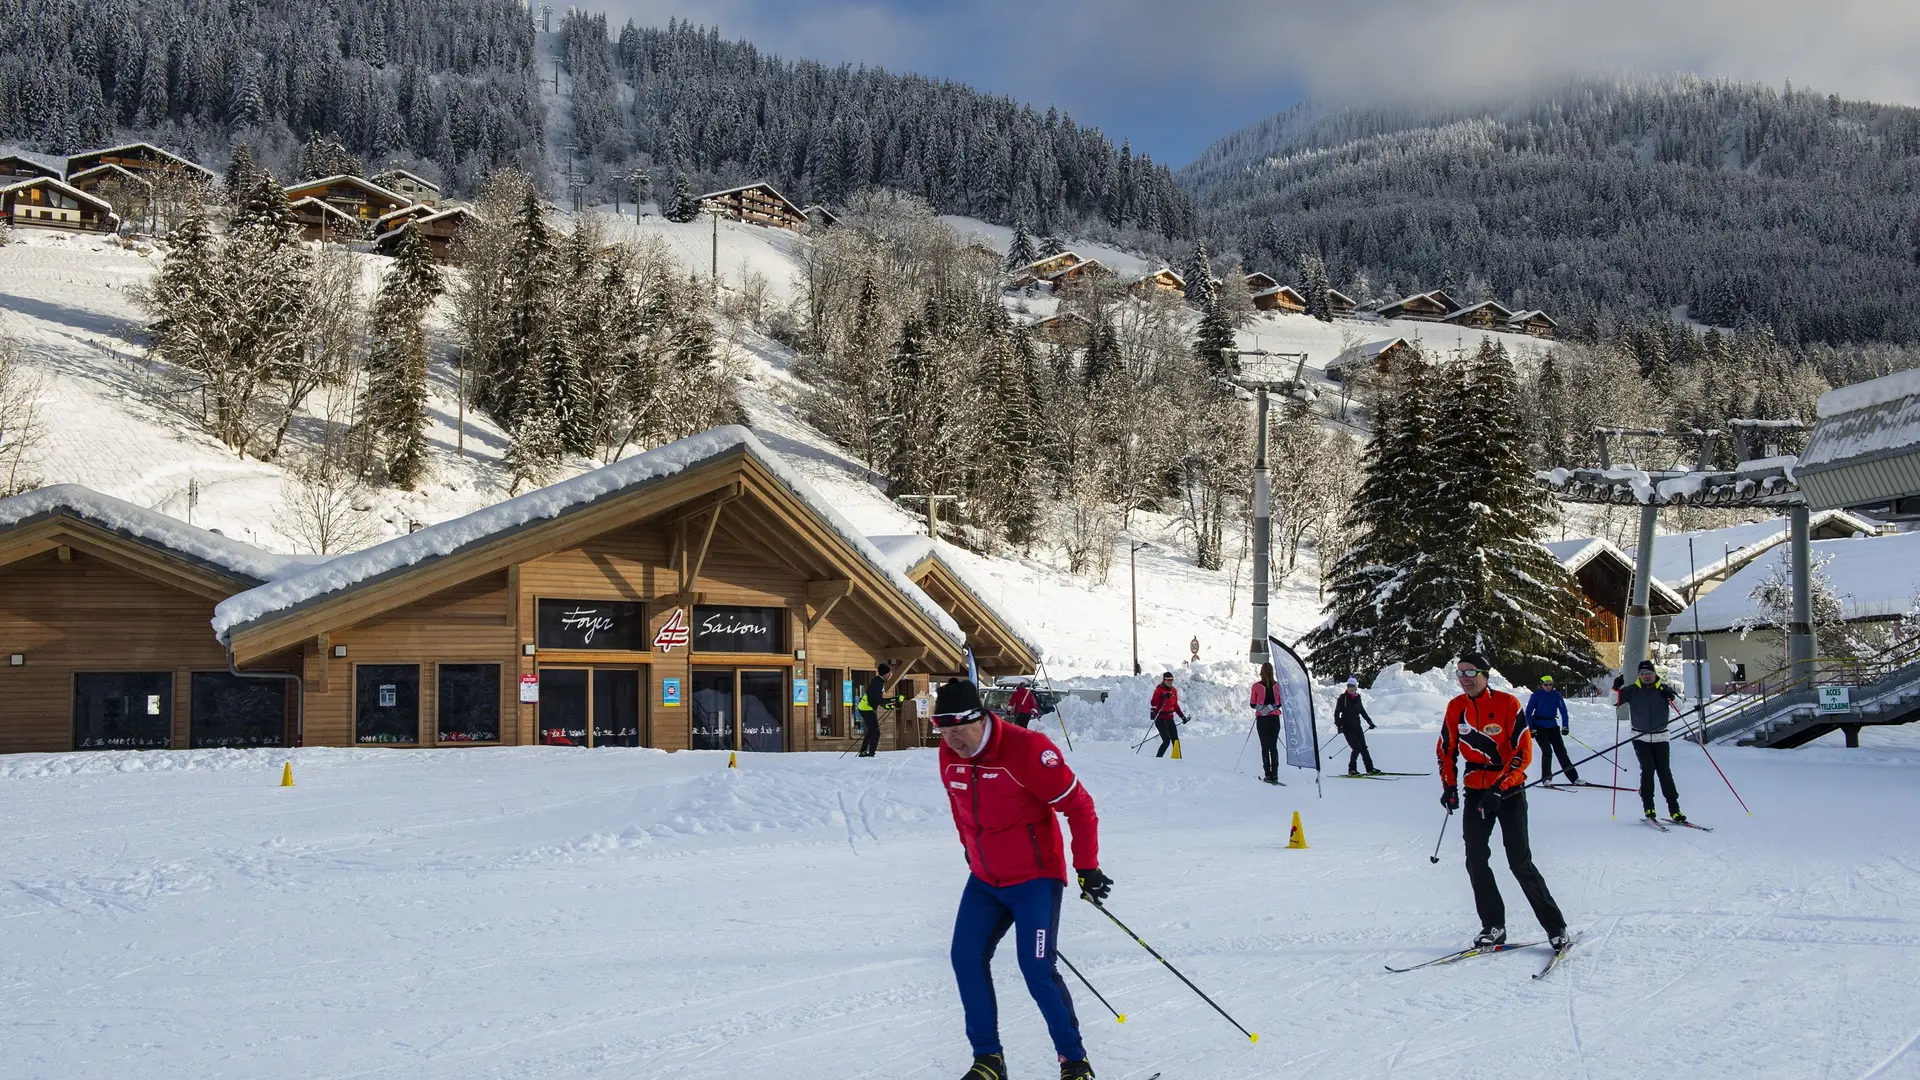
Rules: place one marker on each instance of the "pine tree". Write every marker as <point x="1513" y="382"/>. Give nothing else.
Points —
<point x="681" y="206"/>
<point x="1020" y="250"/>
<point x="394" y="403"/>
<point x="1103" y="355"/>
<point x="1314" y="287"/>
<point x="1050" y="246"/>
<point x="1213" y="344"/>
<point x="242" y="174"/>
<point x="1199" y="276"/>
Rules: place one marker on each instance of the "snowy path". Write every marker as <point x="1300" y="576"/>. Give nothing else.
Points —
<point x="538" y="913"/>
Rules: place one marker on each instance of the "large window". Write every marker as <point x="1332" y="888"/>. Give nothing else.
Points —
<point x="123" y="710"/>
<point x="592" y="624"/>
<point x="829" y="716"/>
<point x="386" y="703"/>
<point x="228" y="710"/>
<point x="468" y="708"/>
<point x="739" y="629"/>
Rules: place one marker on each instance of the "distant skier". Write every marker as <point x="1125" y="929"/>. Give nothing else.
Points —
<point x="1163" y="707"/>
<point x="1348" y="712"/>
<point x="1547" y="716"/>
<point x="1483" y="729"/>
<point x="1650" y="708"/>
<point x="1005" y="785"/>
<point x="1024" y="706"/>
<point x="1266" y="720"/>
<point x="871" y="702"/>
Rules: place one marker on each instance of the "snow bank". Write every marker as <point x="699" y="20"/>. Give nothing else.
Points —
<point x="448" y="537"/>
<point x="142" y="524"/>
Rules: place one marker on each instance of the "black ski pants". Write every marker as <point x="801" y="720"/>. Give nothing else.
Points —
<point x="1356" y="737"/>
<point x="870" y="732"/>
<point x="1483" y="810"/>
<point x="1168" y="736"/>
<point x="1656" y="758"/>
<point x="1549" y="741"/>
<point x="1269" y="729"/>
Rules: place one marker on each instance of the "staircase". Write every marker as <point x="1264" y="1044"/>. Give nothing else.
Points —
<point x="1781" y="712"/>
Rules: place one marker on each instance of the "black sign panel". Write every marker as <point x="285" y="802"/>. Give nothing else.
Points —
<point x="123" y="710"/>
<point x="738" y="629"/>
<point x="592" y="624"/>
<point x="469" y="703"/>
<point x="232" y="711"/>
<point x="386" y="703"/>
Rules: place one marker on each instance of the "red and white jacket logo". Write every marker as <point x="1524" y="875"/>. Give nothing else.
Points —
<point x="1049" y="758"/>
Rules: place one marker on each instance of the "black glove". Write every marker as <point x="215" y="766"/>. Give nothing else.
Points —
<point x="1566" y="731"/>
<point x="1095" y="885"/>
<point x="1371" y="726"/>
<point x="1450" y="797"/>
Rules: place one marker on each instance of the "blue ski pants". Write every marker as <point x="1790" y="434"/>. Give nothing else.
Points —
<point x="1032" y="909"/>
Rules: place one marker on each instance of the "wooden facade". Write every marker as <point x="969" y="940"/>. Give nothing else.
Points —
<point x="1340" y="303"/>
<point x="45" y="203"/>
<point x="1162" y="280"/>
<point x="1374" y="356"/>
<point x="1260" y="281"/>
<point x="1280" y="298"/>
<point x="15" y="167"/>
<point x="401" y="182"/>
<point x="755" y="204"/>
<point x="1534" y="323"/>
<point x="325" y="222"/>
<point x="1425" y="307"/>
<point x="139" y="158"/>
<point x="820" y="217"/>
<point x="441" y="229"/>
<point x="1605" y="575"/>
<point x="359" y="198"/>
<point x="1065" y="328"/>
<point x="1485" y="315"/>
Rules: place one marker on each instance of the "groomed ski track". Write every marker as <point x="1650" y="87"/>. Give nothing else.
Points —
<point x="552" y="913"/>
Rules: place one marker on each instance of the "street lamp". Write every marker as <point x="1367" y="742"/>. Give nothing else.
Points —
<point x="1262" y="496"/>
<point x="1133" y="596"/>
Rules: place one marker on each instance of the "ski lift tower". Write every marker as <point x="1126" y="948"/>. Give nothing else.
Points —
<point x="1262" y="372"/>
<point x="1757" y="483"/>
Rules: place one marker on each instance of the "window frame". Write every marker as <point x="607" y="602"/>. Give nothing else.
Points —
<point x="499" y="700"/>
<point x="418" y="719"/>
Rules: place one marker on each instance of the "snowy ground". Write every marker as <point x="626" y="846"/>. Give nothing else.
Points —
<point x="543" y="912"/>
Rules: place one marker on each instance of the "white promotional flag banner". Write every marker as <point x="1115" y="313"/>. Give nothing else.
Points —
<point x="1296" y="705"/>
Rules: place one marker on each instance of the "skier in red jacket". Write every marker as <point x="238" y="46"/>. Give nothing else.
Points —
<point x="1024" y="706"/>
<point x="1006" y="784"/>
<point x="1164" y="706"/>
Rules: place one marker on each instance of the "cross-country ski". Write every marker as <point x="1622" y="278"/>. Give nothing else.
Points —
<point x="1465" y="954"/>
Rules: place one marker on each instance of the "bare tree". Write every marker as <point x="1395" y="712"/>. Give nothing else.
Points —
<point x="20" y="428"/>
<point x="320" y="501"/>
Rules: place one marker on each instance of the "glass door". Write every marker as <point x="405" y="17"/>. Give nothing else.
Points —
<point x="763" y="711"/>
<point x="713" y="698"/>
<point x="616" y="707"/>
<point x="563" y="706"/>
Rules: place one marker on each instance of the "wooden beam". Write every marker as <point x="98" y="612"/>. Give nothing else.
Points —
<point x="692" y="574"/>
<point x="826" y="594"/>
<point x="906" y="656"/>
<point x="323" y="648"/>
<point x="63" y="553"/>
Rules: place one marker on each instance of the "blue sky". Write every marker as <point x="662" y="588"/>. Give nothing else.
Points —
<point x="1173" y="75"/>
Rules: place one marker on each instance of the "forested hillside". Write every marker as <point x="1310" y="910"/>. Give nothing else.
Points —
<point x="1749" y="205"/>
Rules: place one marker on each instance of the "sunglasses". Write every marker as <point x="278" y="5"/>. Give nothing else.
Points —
<point x="1469" y="673"/>
<point x="955" y="719"/>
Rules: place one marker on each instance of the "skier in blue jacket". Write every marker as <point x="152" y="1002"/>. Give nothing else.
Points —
<point x="1547" y="716"/>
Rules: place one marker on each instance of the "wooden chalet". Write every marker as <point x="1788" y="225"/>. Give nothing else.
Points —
<point x="1605" y="576"/>
<point x="1000" y="645"/>
<point x="1375" y="356"/>
<point x="1161" y="280"/>
<point x="755" y="204"/>
<point x="1485" y="315"/>
<point x="46" y="203"/>
<point x="820" y="216"/>
<point x="1043" y="270"/>
<point x="1085" y="270"/>
<point x="104" y="609"/>
<point x="325" y="222"/>
<point x="138" y="157"/>
<point x="358" y="197"/>
<point x="1280" y="298"/>
<point x="1432" y="306"/>
<point x="1259" y="282"/>
<point x="20" y="167"/>
<point x="102" y="179"/>
<point x="441" y="228"/>
<point x="1534" y="323"/>
<point x="1065" y="328"/>
<point x="388" y="222"/>
<point x="412" y="185"/>
<point x="1340" y="303"/>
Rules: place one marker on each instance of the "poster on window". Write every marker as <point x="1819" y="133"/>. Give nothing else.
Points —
<point x="590" y="624"/>
<point x="800" y="692"/>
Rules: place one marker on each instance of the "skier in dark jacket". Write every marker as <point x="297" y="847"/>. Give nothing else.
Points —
<point x="871" y="702"/>
<point x="1547" y="716"/>
<point x="1650" y="708"/>
<point x="1163" y="707"/>
<point x="1347" y="714"/>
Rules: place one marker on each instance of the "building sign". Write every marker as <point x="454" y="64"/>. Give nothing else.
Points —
<point x="738" y="629"/>
<point x="846" y="692"/>
<point x="530" y="689"/>
<point x="800" y="692"/>
<point x="590" y="624"/>
<point x="1836" y="699"/>
<point x="669" y="691"/>
<point x="673" y="634"/>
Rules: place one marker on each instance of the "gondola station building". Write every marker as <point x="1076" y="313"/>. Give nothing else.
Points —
<point x="701" y="595"/>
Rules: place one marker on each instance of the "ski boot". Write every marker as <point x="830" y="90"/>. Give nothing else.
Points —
<point x="1373" y="772"/>
<point x="1651" y="816"/>
<point x="987" y="1067"/>
<point x="1490" y="936"/>
<point x="1560" y="941"/>
<point x="1676" y="815"/>
<point x="1075" y="1070"/>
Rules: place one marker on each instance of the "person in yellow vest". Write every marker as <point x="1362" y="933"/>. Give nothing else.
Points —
<point x="871" y="702"/>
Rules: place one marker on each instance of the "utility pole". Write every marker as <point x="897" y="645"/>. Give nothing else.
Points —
<point x="460" y="439"/>
<point x="1262" y="486"/>
<point x="933" y="510"/>
<point x="714" y="270"/>
<point x="642" y="183"/>
<point x="1133" y="596"/>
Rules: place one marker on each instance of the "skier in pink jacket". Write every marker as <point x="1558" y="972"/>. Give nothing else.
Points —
<point x="1266" y="720"/>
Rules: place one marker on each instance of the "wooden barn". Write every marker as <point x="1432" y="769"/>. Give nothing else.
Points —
<point x="139" y="157"/>
<point x="441" y="229"/>
<point x="412" y="185"/>
<point x="1605" y="575"/>
<point x="46" y="203"/>
<point x="1340" y="303"/>
<point x="697" y="596"/>
<point x="325" y="222"/>
<point x="1485" y="315"/>
<point x="1280" y="298"/>
<point x="1534" y="323"/>
<point x="820" y="217"/>
<point x="1162" y="280"/>
<point x="1000" y="645"/>
<point x="1065" y="328"/>
<point x="1375" y="356"/>
<point x="1432" y="306"/>
<point x="358" y="197"/>
<point x="20" y="167"/>
<point x="755" y="204"/>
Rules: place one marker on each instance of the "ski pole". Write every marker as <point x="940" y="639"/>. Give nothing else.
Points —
<point x="1716" y="768"/>
<point x="1435" y="857"/>
<point x="1601" y="753"/>
<point x="1243" y="749"/>
<point x="1614" y="810"/>
<point x="1152" y="727"/>
<point x="1251" y="1036"/>
<point x="1336" y="753"/>
<point x="1117" y="1014"/>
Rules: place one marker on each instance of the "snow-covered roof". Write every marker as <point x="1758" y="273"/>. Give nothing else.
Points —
<point x="1438" y="296"/>
<point x="415" y="177"/>
<point x="109" y="167"/>
<point x="65" y="188"/>
<point x="32" y="162"/>
<point x="1865" y="395"/>
<point x="1288" y="290"/>
<point x="1499" y="308"/>
<point x="904" y="552"/>
<point x="322" y="205"/>
<point x="404" y="213"/>
<point x="1578" y="552"/>
<point x="407" y="223"/>
<point x="403" y="553"/>
<point x="168" y="154"/>
<point x="1363" y="354"/>
<point x="1874" y="578"/>
<point x="351" y="181"/>
<point x="151" y="528"/>
<point x="1533" y="313"/>
<point x="1716" y="549"/>
<point x="770" y="189"/>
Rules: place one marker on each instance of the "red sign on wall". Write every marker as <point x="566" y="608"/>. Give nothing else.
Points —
<point x="674" y="633"/>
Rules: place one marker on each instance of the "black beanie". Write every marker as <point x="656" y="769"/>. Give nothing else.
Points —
<point x="1645" y="665"/>
<point x="957" y="696"/>
<point x="1478" y="660"/>
<point x="885" y="668"/>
